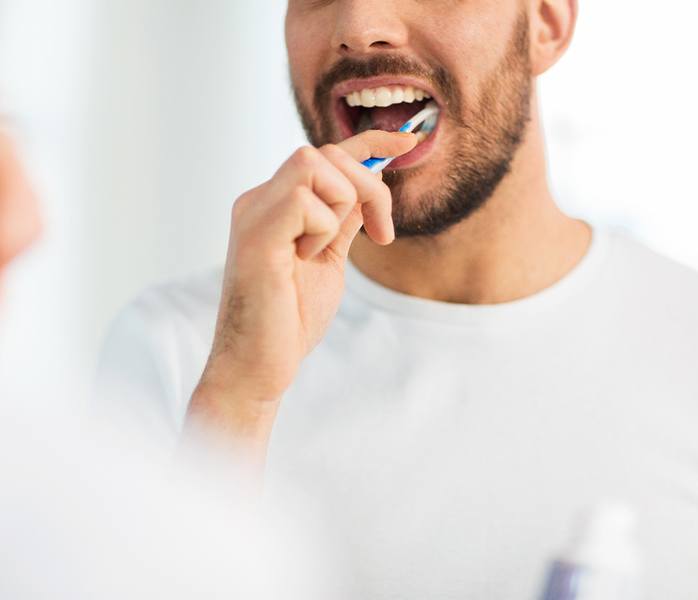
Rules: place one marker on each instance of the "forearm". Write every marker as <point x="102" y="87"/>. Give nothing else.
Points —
<point x="233" y="421"/>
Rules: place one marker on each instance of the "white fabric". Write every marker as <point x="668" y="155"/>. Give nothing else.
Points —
<point x="449" y="447"/>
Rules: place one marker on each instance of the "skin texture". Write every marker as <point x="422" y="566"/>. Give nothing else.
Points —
<point x="20" y="224"/>
<point x="479" y="207"/>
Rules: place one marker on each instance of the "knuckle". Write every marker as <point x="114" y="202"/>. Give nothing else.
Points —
<point x="299" y="198"/>
<point x="238" y="209"/>
<point x="334" y="226"/>
<point x="351" y="195"/>
<point x="332" y="150"/>
<point x="305" y="156"/>
<point x="346" y="194"/>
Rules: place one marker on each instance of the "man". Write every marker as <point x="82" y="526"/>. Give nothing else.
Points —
<point x="493" y="364"/>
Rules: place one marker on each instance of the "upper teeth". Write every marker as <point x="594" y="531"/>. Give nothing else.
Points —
<point x="385" y="96"/>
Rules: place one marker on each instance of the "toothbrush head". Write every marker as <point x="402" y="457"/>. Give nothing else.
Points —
<point x="430" y="124"/>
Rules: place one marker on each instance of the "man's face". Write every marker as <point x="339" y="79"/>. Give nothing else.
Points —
<point x="470" y="57"/>
<point x="19" y="215"/>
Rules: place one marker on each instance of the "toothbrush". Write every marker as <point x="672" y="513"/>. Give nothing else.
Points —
<point x="428" y="116"/>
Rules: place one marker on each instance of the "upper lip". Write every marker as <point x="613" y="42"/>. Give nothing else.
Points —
<point x="355" y="85"/>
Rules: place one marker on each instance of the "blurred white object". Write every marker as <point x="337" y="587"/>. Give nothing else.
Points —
<point x="602" y="561"/>
<point x="87" y="513"/>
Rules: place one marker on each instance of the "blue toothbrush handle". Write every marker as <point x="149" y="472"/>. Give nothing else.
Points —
<point x="372" y="162"/>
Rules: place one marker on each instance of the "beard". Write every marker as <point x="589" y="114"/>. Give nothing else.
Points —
<point x="484" y="141"/>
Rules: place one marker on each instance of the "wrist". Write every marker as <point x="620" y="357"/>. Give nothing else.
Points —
<point x="232" y="407"/>
<point x="226" y="376"/>
<point x="228" y="427"/>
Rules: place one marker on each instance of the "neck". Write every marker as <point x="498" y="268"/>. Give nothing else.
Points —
<point x="517" y="244"/>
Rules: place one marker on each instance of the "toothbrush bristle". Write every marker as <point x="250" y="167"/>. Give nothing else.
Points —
<point x="430" y="124"/>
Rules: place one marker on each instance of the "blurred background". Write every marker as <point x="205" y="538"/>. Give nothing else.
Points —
<point x="140" y="121"/>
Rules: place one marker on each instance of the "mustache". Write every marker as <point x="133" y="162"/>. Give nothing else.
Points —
<point x="386" y="64"/>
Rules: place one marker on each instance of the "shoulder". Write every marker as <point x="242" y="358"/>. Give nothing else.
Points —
<point x="634" y="263"/>
<point x="191" y="298"/>
<point x="156" y="347"/>
<point x="168" y="319"/>
<point x="650" y="292"/>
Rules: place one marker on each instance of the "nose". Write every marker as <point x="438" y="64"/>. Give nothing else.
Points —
<point x="365" y="27"/>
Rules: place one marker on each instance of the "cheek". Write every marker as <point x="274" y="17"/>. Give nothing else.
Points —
<point x="307" y="46"/>
<point x="473" y="38"/>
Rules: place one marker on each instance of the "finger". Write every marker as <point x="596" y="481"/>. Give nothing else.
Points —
<point x="320" y="223"/>
<point x="373" y="195"/>
<point x="379" y="144"/>
<point x="308" y="167"/>
<point x="348" y="230"/>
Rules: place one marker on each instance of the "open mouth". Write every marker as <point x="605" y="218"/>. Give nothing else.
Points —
<point x="360" y="107"/>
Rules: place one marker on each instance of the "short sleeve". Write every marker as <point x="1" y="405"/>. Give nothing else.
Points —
<point x="154" y="354"/>
<point x="136" y="374"/>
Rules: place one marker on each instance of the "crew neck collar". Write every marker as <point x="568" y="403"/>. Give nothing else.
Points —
<point x="473" y="314"/>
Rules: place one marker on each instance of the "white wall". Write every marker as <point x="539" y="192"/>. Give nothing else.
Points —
<point x="142" y="120"/>
<point x="43" y="95"/>
<point x="190" y="107"/>
<point x="621" y="116"/>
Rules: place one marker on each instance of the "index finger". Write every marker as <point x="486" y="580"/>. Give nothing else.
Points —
<point x="379" y="144"/>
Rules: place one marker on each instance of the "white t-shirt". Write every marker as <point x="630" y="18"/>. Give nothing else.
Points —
<point x="448" y="448"/>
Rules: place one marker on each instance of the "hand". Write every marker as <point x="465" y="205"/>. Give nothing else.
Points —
<point x="288" y="247"/>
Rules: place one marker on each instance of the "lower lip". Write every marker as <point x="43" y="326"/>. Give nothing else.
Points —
<point x="419" y="154"/>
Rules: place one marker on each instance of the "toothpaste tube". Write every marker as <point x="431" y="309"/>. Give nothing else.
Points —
<point x="601" y="563"/>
